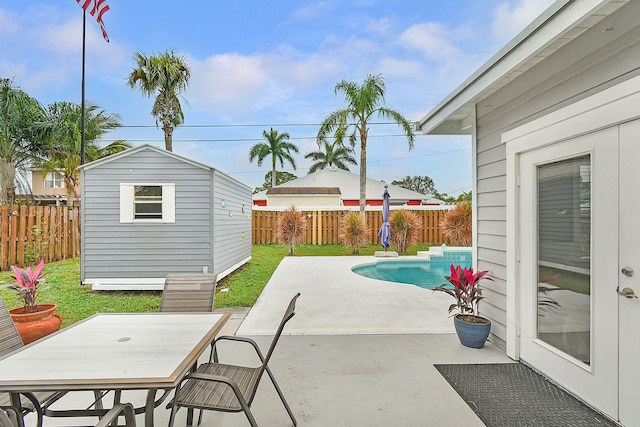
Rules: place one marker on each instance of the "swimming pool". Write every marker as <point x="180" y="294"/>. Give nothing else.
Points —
<point x="425" y="273"/>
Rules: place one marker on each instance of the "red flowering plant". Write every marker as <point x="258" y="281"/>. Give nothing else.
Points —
<point x="463" y="286"/>
<point x="27" y="284"/>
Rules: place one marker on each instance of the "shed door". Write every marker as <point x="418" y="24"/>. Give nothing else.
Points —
<point x="569" y="265"/>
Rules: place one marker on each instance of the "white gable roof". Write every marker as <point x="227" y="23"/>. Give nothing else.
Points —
<point x="349" y="185"/>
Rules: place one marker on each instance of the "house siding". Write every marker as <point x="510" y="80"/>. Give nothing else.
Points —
<point x="538" y="92"/>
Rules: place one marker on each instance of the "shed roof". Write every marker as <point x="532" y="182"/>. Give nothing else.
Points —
<point x="143" y="147"/>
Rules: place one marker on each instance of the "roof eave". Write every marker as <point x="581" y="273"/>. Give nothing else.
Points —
<point x="453" y="116"/>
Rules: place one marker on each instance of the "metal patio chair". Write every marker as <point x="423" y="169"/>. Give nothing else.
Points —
<point x="10" y="341"/>
<point x="125" y="409"/>
<point x="229" y="388"/>
<point x="188" y="292"/>
<point x="9" y="417"/>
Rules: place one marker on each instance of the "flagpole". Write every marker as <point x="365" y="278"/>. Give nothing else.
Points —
<point x="82" y="140"/>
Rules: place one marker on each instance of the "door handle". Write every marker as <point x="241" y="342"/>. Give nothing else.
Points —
<point x="626" y="292"/>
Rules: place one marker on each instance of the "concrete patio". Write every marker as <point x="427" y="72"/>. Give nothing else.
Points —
<point x="359" y="352"/>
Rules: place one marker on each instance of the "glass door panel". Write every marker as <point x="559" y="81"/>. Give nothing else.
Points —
<point x="564" y="264"/>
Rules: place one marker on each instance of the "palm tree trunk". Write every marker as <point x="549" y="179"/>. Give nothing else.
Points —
<point x="168" y="137"/>
<point x="363" y="170"/>
<point x="273" y="171"/>
<point x="7" y="177"/>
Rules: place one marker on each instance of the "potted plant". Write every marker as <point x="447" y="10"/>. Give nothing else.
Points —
<point x="33" y="321"/>
<point x="463" y="285"/>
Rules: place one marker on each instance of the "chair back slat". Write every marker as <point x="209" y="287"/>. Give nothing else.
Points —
<point x="188" y="293"/>
<point x="288" y="314"/>
<point x="9" y="337"/>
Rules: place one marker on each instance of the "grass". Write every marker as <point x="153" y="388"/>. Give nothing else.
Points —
<point x="76" y="302"/>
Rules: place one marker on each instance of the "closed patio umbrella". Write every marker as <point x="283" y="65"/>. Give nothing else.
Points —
<point x="385" y="231"/>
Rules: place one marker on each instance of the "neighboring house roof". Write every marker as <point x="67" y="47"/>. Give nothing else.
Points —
<point x="561" y="23"/>
<point x="303" y="190"/>
<point x="348" y="184"/>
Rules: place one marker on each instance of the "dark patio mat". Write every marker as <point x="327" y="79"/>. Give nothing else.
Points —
<point x="512" y="394"/>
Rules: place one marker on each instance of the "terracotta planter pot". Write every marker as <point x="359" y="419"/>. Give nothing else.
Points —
<point x="33" y="326"/>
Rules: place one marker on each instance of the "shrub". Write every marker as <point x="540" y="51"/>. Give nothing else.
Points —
<point x="291" y="228"/>
<point x="354" y="231"/>
<point x="405" y="229"/>
<point x="456" y="224"/>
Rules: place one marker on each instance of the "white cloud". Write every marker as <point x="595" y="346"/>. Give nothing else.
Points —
<point x="433" y="40"/>
<point x="311" y="11"/>
<point x="509" y="19"/>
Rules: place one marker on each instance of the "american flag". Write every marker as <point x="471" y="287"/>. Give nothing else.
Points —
<point x="96" y="8"/>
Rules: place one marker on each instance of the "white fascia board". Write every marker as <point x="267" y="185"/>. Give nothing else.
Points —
<point x="559" y="19"/>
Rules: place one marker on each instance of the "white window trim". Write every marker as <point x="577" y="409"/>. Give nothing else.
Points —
<point x="53" y="180"/>
<point x="127" y="203"/>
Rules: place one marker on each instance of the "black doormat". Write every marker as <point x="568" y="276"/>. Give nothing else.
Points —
<point x="512" y="394"/>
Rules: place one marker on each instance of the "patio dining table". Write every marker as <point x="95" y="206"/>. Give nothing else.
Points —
<point x="133" y="351"/>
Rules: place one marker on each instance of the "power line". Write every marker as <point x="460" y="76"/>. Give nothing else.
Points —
<point x="218" y="125"/>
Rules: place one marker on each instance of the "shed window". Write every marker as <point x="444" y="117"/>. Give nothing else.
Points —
<point x="147" y="202"/>
<point x="53" y="180"/>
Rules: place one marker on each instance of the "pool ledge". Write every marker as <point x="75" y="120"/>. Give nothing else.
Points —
<point x="385" y="254"/>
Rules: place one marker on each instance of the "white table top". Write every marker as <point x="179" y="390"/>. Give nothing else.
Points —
<point x="113" y="351"/>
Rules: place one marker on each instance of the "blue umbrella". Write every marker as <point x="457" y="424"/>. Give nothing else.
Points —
<point x="385" y="231"/>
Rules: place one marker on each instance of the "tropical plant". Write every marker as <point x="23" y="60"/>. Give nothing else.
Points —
<point x="405" y="229"/>
<point x="291" y="228"/>
<point x="18" y="113"/>
<point x="281" y="178"/>
<point x="27" y="282"/>
<point x="277" y="146"/>
<point x="363" y="103"/>
<point x="165" y="75"/>
<point x="354" y="232"/>
<point x="457" y="224"/>
<point x="464" y="287"/>
<point x="61" y="129"/>
<point x="420" y="184"/>
<point x="334" y="154"/>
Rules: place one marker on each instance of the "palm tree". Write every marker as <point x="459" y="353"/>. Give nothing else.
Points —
<point x="363" y="102"/>
<point x="278" y="147"/>
<point x="166" y="76"/>
<point x="333" y="154"/>
<point x="18" y="113"/>
<point x="62" y="130"/>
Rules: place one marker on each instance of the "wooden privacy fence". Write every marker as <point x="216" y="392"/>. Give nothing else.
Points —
<point x="323" y="226"/>
<point x="30" y="233"/>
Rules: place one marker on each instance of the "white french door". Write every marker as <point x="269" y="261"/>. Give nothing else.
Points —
<point x="629" y="274"/>
<point x="568" y="274"/>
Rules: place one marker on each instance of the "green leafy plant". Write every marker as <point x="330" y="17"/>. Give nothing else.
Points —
<point x="457" y="224"/>
<point x="27" y="283"/>
<point x="405" y="229"/>
<point x="291" y="228"/>
<point x="464" y="287"/>
<point x="354" y="232"/>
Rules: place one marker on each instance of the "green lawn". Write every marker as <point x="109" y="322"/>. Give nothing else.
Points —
<point x="76" y="302"/>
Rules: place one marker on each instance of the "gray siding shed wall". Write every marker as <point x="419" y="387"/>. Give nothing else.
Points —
<point x="567" y="76"/>
<point x="114" y="250"/>
<point x="231" y="224"/>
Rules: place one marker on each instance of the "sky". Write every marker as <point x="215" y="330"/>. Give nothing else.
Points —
<point x="260" y="64"/>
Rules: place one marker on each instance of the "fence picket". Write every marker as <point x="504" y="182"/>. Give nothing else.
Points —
<point x="323" y="226"/>
<point x="50" y="232"/>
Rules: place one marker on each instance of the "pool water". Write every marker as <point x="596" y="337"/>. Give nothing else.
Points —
<point x="425" y="274"/>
